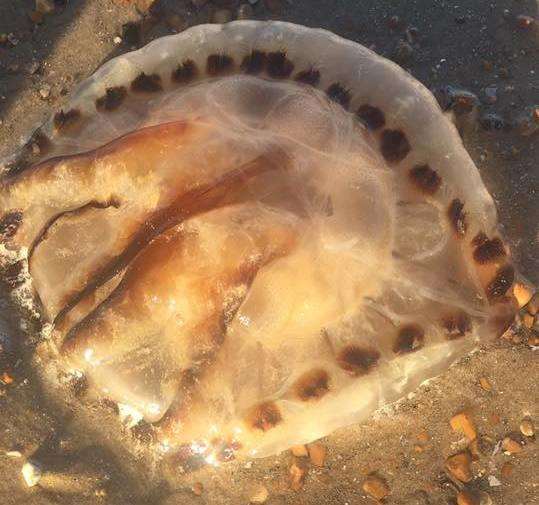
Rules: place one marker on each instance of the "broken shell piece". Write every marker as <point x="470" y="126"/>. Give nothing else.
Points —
<point x="31" y="472"/>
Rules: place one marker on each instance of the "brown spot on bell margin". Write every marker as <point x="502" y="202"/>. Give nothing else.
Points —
<point x="457" y="325"/>
<point x="502" y="281"/>
<point x="264" y="416"/>
<point x="358" y="360"/>
<point x="489" y="251"/>
<point x="63" y="120"/>
<point x="338" y="93"/>
<point x="457" y="217"/>
<point x="310" y="77"/>
<point x="425" y="179"/>
<point x="312" y="385"/>
<point x="219" y="64"/>
<point x="409" y="339"/>
<point x="479" y="239"/>
<point x="373" y="117"/>
<point x="112" y="99"/>
<point x="146" y="83"/>
<point x="394" y="145"/>
<point x="254" y="63"/>
<point x="9" y="224"/>
<point x="185" y="72"/>
<point x="278" y="65"/>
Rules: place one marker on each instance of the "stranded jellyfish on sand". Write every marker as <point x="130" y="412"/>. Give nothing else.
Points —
<point x="253" y="234"/>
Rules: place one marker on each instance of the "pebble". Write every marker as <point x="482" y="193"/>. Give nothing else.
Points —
<point x="459" y="100"/>
<point x="485" y="384"/>
<point x="221" y="16"/>
<point x="525" y="21"/>
<point x="462" y="423"/>
<point x="403" y="51"/>
<point x="522" y="293"/>
<point x="490" y="121"/>
<point x="300" y="451"/>
<point x="197" y="488"/>
<point x="245" y="11"/>
<point x="527" y="428"/>
<point x="467" y="498"/>
<point x="317" y="454"/>
<point x="493" y="481"/>
<point x="506" y="470"/>
<point x="44" y="6"/>
<point x="12" y="39"/>
<point x="31" y="473"/>
<point x="527" y="123"/>
<point x="458" y="466"/>
<point x="297" y="476"/>
<point x="117" y="40"/>
<point x="491" y="94"/>
<point x="511" y="446"/>
<point x="259" y="494"/>
<point x="376" y="487"/>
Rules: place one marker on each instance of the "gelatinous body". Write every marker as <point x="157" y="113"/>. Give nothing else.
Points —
<point x="242" y="234"/>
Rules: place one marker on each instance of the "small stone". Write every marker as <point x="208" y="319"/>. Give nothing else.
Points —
<point x="493" y="481"/>
<point x="491" y="94"/>
<point x="45" y="91"/>
<point x="300" y="451"/>
<point x="485" y="383"/>
<point x="525" y="21"/>
<point x="376" y="487"/>
<point x="117" y="40"/>
<point x="527" y="428"/>
<point x="491" y="121"/>
<point x="44" y="6"/>
<point x="34" y="67"/>
<point x="31" y="473"/>
<point x="511" y="446"/>
<point x="527" y="123"/>
<point x="462" y="423"/>
<point x="176" y="22"/>
<point x="522" y="293"/>
<point x="13" y="454"/>
<point x="459" y="466"/>
<point x="506" y="470"/>
<point x="12" y="39"/>
<point x="403" y="51"/>
<point x="259" y="494"/>
<point x="459" y="100"/>
<point x="297" y="476"/>
<point x="222" y="16"/>
<point x="528" y="320"/>
<point x="487" y="65"/>
<point x="197" y="488"/>
<point x="467" y="498"/>
<point x="317" y="454"/>
<point x="245" y="11"/>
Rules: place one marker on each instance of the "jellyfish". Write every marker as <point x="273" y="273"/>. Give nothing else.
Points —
<point x="253" y="234"/>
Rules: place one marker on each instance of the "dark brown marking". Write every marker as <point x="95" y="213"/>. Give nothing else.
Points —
<point x="185" y="72"/>
<point x="278" y="65"/>
<point x="219" y="64"/>
<point x="64" y="120"/>
<point x="489" y="251"/>
<point x="254" y="63"/>
<point x="338" y="93"/>
<point x="479" y="239"/>
<point x="9" y="224"/>
<point x="425" y="178"/>
<point x="457" y="217"/>
<point x="410" y="338"/>
<point x="312" y="385"/>
<point x="146" y="83"/>
<point x="457" y="325"/>
<point x="112" y="99"/>
<point x="394" y="145"/>
<point x="264" y="416"/>
<point x="373" y="117"/>
<point x="502" y="281"/>
<point x="310" y="77"/>
<point x="357" y="360"/>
